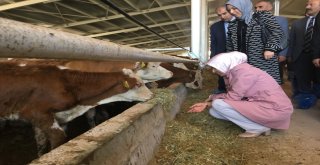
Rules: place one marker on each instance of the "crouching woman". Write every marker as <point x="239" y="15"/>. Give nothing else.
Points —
<point x="254" y="101"/>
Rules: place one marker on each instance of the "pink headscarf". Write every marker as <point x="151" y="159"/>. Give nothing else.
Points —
<point x="224" y="62"/>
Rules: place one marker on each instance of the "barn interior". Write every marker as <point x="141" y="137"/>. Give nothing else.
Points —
<point x="171" y="19"/>
<point x="95" y="19"/>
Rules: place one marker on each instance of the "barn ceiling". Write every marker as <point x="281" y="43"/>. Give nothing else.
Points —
<point x="93" y="18"/>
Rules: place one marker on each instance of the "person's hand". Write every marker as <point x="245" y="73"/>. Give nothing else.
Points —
<point x="316" y="62"/>
<point x="282" y="58"/>
<point x="198" y="107"/>
<point x="209" y="98"/>
<point x="268" y="54"/>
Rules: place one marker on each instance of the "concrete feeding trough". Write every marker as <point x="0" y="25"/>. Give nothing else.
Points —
<point x="131" y="137"/>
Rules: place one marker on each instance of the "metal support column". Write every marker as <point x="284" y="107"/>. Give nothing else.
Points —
<point x="199" y="29"/>
<point x="276" y="7"/>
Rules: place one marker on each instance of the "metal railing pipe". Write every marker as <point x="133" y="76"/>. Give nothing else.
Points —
<point x="22" y="40"/>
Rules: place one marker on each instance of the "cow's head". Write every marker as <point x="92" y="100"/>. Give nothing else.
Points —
<point x="139" y="93"/>
<point x="133" y="78"/>
<point x="152" y="71"/>
<point x="197" y="82"/>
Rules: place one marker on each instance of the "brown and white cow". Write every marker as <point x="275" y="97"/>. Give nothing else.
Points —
<point x="182" y="74"/>
<point x="148" y="72"/>
<point x="36" y="93"/>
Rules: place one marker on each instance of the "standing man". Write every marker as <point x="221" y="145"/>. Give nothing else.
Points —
<point x="266" y="5"/>
<point x="316" y="53"/>
<point x="218" y="32"/>
<point x="301" y="54"/>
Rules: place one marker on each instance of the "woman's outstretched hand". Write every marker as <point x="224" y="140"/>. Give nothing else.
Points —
<point x="198" y="107"/>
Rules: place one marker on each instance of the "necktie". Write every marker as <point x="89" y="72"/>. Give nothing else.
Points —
<point x="308" y="36"/>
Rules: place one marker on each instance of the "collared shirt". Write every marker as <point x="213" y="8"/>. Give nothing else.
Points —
<point x="226" y="24"/>
<point x="309" y="21"/>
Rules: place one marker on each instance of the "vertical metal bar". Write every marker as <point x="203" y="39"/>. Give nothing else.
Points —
<point x="199" y="29"/>
<point x="276" y="7"/>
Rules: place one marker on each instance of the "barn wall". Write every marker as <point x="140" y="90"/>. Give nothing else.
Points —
<point x="132" y="137"/>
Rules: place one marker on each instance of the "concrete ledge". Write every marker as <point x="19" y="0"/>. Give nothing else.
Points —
<point x="180" y="93"/>
<point x="129" y="138"/>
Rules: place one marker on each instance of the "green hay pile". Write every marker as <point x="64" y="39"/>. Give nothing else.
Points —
<point x="164" y="97"/>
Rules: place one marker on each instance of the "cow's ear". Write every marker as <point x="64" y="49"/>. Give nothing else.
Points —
<point x="137" y="65"/>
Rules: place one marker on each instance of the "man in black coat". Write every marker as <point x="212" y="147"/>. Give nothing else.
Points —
<point x="218" y="32"/>
<point x="301" y="52"/>
<point x="316" y="53"/>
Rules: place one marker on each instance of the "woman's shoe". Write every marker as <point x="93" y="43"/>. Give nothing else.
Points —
<point x="256" y="134"/>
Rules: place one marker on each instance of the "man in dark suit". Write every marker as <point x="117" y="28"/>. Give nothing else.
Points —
<point x="300" y="52"/>
<point x="218" y="32"/>
<point x="316" y="53"/>
<point x="266" y="5"/>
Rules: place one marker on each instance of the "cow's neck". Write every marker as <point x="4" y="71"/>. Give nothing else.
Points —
<point x="90" y="87"/>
